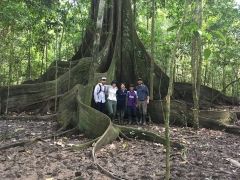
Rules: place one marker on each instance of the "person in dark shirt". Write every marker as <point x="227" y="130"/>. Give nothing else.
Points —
<point x="143" y="100"/>
<point x="121" y="102"/>
<point x="131" y="103"/>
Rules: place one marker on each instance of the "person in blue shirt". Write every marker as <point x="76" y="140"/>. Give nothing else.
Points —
<point x="121" y="102"/>
<point x="143" y="100"/>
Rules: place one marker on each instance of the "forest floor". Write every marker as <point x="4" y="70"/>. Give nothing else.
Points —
<point x="208" y="155"/>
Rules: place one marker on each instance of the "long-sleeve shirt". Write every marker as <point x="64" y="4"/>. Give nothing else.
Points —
<point x="112" y="93"/>
<point x="142" y="92"/>
<point x="99" y="93"/>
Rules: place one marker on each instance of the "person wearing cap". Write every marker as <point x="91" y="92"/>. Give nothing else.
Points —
<point x="143" y="100"/>
<point x="131" y="103"/>
<point x="121" y="102"/>
<point x="99" y="95"/>
<point x="112" y="99"/>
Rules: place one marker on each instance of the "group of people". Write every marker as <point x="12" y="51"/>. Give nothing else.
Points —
<point x="135" y="99"/>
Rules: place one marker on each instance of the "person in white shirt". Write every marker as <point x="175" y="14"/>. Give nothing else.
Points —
<point x="99" y="95"/>
<point x="112" y="99"/>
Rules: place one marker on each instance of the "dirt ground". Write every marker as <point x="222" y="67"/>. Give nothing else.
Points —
<point x="208" y="155"/>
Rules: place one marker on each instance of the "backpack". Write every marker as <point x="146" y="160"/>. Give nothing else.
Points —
<point x="100" y="89"/>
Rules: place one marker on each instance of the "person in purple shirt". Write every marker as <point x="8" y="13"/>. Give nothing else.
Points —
<point x="132" y="100"/>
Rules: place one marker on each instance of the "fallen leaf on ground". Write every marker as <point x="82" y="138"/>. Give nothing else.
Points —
<point x="9" y="157"/>
<point x="124" y="145"/>
<point x="27" y="151"/>
<point x="183" y="162"/>
<point x="112" y="146"/>
<point x="70" y="145"/>
<point x="59" y="143"/>
<point x="19" y="129"/>
<point x="234" y="162"/>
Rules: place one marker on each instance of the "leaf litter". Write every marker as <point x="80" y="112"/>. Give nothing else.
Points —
<point x="208" y="154"/>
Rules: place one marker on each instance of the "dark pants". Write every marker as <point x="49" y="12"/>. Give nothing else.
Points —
<point x="100" y="107"/>
<point x="132" y="111"/>
<point x="121" y="110"/>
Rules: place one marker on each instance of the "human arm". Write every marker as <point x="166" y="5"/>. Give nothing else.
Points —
<point x="117" y="93"/>
<point x="147" y="92"/>
<point x="136" y="98"/>
<point x="126" y="99"/>
<point x="148" y="99"/>
<point x="107" y="88"/>
<point x="95" y="93"/>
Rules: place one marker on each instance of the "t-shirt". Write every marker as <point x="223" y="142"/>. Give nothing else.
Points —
<point x="142" y="92"/>
<point x="121" y="96"/>
<point x="132" y="96"/>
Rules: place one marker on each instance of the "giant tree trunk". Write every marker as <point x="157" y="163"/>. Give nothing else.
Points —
<point x="121" y="56"/>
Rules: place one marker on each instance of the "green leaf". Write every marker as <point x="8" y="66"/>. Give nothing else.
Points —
<point x="173" y="27"/>
<point x="221" y="35"/>
<point x="197" y="33"/>
<point x="208" y="36"/>
<point x="207" y="53"/>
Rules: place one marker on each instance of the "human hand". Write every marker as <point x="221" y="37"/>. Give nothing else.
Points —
<point x="147" y="101"/>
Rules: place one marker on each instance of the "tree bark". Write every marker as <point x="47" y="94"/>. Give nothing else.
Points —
<point x="170" y="90"/>
<point x="152" y="50"/>
<point x="196" y="61"/>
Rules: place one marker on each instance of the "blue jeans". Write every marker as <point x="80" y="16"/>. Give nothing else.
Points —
<point x="100" y="107"/>
<point x="132" y="111"/>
